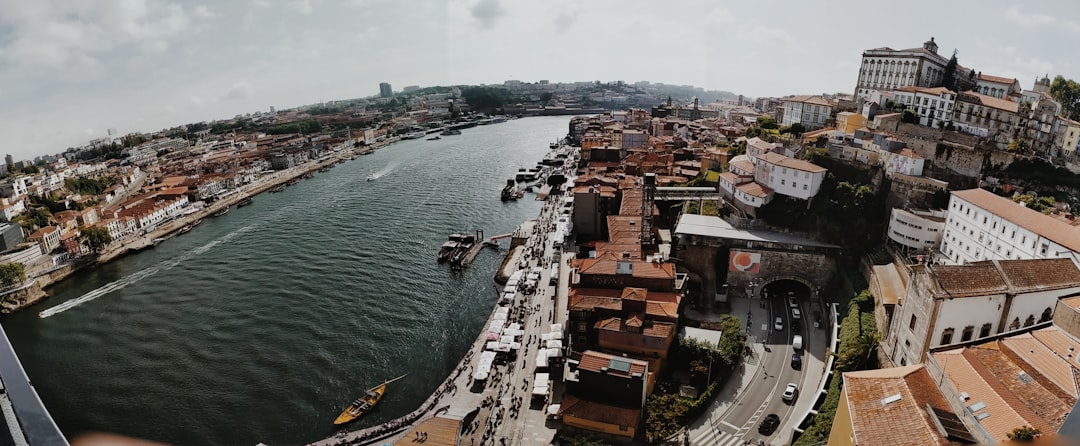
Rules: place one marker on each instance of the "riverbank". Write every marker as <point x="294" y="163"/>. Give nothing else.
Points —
<point x="40" y="283"/>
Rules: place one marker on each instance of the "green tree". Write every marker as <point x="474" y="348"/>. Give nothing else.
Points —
<point x="767" y="122"/>
<point x="1066" y="92"/>
<point x="1018" y="145"/>
<point x="948" y="78"/>
<point x="34" y="218"/>
<point x="96" y="238"/>
<point x="30" y="170"/>
<point x="797" y="129"/>
<point x="12" y="274"/>
<point x="545" y="97"/>
<point x="1024" y="434"/>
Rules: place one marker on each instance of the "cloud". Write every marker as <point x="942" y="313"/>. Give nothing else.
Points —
<point x="240" y="91"/>
<point x="487" y="12"/>
<point x="564" y="21"/>
<point x="1021" y="18"/>
<point x="203" y="11"/>
<point x="719" y="16"/>
<point x="301" y="6"/>
<point x="756" y="32"/>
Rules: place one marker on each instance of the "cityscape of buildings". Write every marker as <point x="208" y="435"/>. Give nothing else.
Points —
<point x="976" y="284"/>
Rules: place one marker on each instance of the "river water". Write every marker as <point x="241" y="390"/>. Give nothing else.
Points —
<point x="262" y="324"/>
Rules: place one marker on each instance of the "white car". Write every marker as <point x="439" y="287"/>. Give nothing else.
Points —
<point x="779" y="324"/>
<point x="793" y="302"/>
<point x="796" y="314"/>
<point x="789" y="392"/>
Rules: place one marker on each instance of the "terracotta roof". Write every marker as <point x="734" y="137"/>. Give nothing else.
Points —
<point x="668" y="310"/>
<point x="809" y="99"/>
<point x="606" y="266"/>
<point x="1040" y="274"/>
<point x="998" y="79"/>
<point x="1072" y="302"/>
<point x="1034" y="221"/>
<point x="1038" y="356"/>
<point x="729" y="177"/>
<point x="594" y="361"/>
<point x="791" y="163"/>
<point x="992" y="102"/>
<point x="575" y="407"/>
<point x="908" y="422"/>
<point x="909" y="154"/>
<point x="741" y="164"/>
<point x="936" y="91"/>
<point x="973" y="279"/>
<point x="968" y="374"/>
<point x="754" y="189"/>
<point x="635" y="293"/>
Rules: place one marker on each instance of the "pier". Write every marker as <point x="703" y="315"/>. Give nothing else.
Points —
<point x="477" y="406"/>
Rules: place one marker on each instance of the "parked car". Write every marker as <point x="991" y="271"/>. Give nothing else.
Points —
<point x="789" y="392"/>
<point x="793" y="302"/>
<point x="796" y="342"/>
<point x="796" y="314"/>
<point x="779" y="324"/>
<point x="796" y="361"/>
<point x="768" y="424"/>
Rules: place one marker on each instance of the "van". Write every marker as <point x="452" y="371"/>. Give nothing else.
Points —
<point x="554" y="280"/>
<point x="796" y="342"/>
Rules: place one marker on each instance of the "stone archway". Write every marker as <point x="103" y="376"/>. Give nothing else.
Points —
<point x="808" y="284"/>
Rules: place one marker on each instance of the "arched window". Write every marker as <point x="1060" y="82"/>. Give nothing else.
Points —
<point x="1015" y="324"/>
<point x="1045" y="315"/>
<point x="1029" y="321"/>
<point x="946" y="336"/>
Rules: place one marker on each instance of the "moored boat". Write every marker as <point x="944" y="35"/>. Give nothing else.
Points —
<point x="246" y="201"/>
<point x="223" y="211"/>
<point x="365" y="403"/>
<point x="450" y="132"/>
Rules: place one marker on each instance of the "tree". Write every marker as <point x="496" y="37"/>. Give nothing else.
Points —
<point x="1024" y="434"/>
<point x="545" y="97"/>
<point x="1066" y="92"/>
<point x="1018" y="145"/>
<point x="95" y="237"/>
<point x="948" y="79"/>
<point x="767" y="122"/>
<point x="12" y="274"/>
<point x="34" y="218"/>
<point x="797" y="129"/>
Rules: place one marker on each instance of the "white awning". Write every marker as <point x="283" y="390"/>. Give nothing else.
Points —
<point x="553" y="409"/>
<point x="542" y="358"/>
<point x="553" y="343"/>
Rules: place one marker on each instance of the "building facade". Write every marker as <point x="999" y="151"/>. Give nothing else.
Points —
<point x="886" y="69"/>
<point x="810" y="111"/>
<point x="933" y="107"/>
<point x="984" y="226"/>
<point x="915" y="229"/>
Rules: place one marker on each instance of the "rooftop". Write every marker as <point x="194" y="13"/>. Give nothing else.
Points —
<point x="792" y="163"/>
<point x="710" y="226"/>
<point x="1060" y="232"/>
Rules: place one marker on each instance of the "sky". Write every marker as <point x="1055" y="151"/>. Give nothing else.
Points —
<point x="71" y="69"/>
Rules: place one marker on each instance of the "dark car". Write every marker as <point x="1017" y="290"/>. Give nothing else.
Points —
<point x="768" y="425"/>
<point x="796" y="361"/>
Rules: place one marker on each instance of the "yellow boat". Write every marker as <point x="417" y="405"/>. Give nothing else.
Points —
<point x="365" y="403"/>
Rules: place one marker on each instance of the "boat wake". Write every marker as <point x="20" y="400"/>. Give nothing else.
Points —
<point x="139" y="275"/>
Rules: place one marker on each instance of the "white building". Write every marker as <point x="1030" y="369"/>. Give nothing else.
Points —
<point x="789" y="176"/>
<point x="932" y="106"/>
<point x="984" y="226"/>
<point x="916" y="229"/>
<point x="954" y="304"/>
<point x="998" y="87"/>
<point x="810" y="111"/>
<point x="886" y="69"/>
<point x="903" y="161"/>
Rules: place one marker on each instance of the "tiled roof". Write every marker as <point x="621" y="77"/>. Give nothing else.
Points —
<point x="640" y="269"/>
<point x="754" y="189"/>
<point x="998" y="79"/>
<point x="635" y="293"/>
<point x="1072" y="302"/>
<point x="575" y="407"/>
<point x="729" y="177"/>
<point x="904" y="421"/>
<point x="791" y="163"/>
<point x="1034" y="221"/>
<point x="968" y="374"/>
<point x="992" y="102"/>
<point x="909" y="154"/>
<point x="936" y="91"/>
<point x="595" y="361"/>
<point x="1040" y="274"/>
<point x="668" y="310"/>
<point x="973" y="279"/>
<point x="1038" y="356"/>
<point x="741" y="164"/>
<point x="808" y="99"/>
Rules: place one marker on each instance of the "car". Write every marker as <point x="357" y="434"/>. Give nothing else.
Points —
<point x="796" y="314"/>
<point x="796" y="361"/>
<point x="789" y="392"/>
<point x="779" y="324"/>
<point x="768" y="424"/>
<point x="793" y="302"/>
<point x="796" y="342"/>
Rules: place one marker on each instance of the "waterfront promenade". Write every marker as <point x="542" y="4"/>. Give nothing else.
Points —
<point x="499" y="410"/>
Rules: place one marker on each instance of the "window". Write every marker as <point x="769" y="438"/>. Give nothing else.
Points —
<point x="804" y="187"/>
<point x="968" y="332"/>
<point x="911" y="325"/>
<point x="1029" y="321"/>
<point x="984" y="331"/>
<point x="1043" y="248"/>
<point x="1045" y="315"/>
<point x="946" y="336"/>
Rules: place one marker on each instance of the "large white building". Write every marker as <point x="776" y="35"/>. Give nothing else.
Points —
<point x="954" y="304"/>
<point x="984" y="226"/>
<point x="915" y="229"/>
<point x="810" y="111"/>
<point x="788" y="176"/>
<point x="886" y="69"/>
<point x="933" y="107"/>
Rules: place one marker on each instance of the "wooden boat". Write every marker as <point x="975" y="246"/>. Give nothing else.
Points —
<point x="365" y="403"/>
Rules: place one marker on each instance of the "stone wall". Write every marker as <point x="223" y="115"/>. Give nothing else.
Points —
<point x="949" y="154"/>
<point x="811" y="269"/>
<point x="13" y="301"/>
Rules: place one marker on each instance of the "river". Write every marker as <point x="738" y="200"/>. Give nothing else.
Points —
<point x="263" y="324"/>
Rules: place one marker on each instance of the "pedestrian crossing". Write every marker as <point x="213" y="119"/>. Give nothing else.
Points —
<point x="716" y="437"/>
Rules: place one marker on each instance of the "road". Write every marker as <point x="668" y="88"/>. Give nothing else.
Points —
<point x="734" y="419"/>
